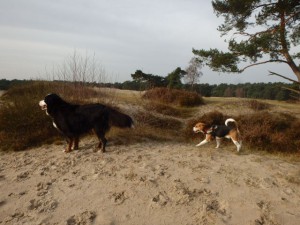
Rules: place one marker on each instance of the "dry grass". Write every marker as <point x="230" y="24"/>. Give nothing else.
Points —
<point x="174" y="96"/>
<point x="272" y="132"/>
<point x="260" y="130"/>
<point x="243" y="106"/>
<point x="168" y="110"/>
<point x="258" y="105"/>
<point x="22" y="123"/>
<point x="264" y="126"/>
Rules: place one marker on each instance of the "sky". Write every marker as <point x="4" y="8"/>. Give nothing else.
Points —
<point x="154" y="36"/>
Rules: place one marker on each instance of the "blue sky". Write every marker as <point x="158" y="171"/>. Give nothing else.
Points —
<point x="154" y="36"/>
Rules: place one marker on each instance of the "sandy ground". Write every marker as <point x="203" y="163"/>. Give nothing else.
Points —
<point x="147" y="183"/>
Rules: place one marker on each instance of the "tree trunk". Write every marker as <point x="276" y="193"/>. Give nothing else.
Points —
<point x="283" y="41"/>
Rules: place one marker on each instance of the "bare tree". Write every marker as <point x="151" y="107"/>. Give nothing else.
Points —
<point x="193" y="72"/>
<point x="78" y="70"/>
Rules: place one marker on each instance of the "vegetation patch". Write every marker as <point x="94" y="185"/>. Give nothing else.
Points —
<point x="272" y="132"/>
<point x="257" y="105"/>
<point x="148" y="119"/>
<point x="260" y="130"/>
<point x="22" y="123"/>
<point x="168" y="110"/>
<point x="174" y="96"/>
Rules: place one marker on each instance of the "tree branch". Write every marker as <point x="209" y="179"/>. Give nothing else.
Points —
<point x="273" y="30"/>
<point x="276" y="74"/>
<point x="263" y="5"/>
<point x="264" y="62"/>
<point x="292" y="90"/>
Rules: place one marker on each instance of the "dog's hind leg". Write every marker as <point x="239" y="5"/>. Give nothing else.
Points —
<point x="102" y="143"/>
<point x="237" y="144"/>
<point x="102" y="140"/>
<point x="76" y="143"/>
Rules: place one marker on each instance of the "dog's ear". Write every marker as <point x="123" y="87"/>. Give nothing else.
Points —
<point x="200" y="125"/>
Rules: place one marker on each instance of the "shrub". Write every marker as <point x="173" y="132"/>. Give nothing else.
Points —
<point x="257" y="105"/>
<point x="272" y="132"/>
<point x="261" y="130"/>
<point x="174" y="96"/>
<point x="22" y="123"/>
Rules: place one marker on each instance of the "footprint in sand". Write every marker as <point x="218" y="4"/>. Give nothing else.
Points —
<point x="86" y="218"/>
<point x="265" y="215"/>
<point x="23" y="176"/>
<point x="119" y="197"/>
<point x="161" y="199"/>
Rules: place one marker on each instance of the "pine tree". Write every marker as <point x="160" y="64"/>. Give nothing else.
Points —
<point x="261" y="31"/>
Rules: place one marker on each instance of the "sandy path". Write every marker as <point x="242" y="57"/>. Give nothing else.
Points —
<point x="149" y="183"/>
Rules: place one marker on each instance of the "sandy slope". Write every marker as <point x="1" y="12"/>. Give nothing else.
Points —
<point x="147" y="183"/>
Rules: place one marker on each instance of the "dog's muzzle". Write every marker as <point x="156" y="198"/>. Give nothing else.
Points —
<point x="196" y="130"/>
<point x="43" y="105"/>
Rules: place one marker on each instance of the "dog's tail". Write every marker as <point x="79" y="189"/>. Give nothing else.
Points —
<point x="233" y="121"/>
<point x="119" y="119"/>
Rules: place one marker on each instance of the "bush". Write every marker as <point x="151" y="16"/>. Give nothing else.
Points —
<point x="261" y="130"/>
<point x="272" y="132"/>
<point x="174" y="96"/>
<point x="22" y="123"/>
<point x="257" y="105"/>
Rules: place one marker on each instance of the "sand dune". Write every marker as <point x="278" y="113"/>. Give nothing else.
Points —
<point x="147" y="183"/>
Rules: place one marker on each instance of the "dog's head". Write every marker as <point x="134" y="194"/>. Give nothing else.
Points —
<point x="199" y="127"/>
<point x="50" y="102"/>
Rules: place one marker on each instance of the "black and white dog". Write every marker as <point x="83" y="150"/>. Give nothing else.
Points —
<point x="219" y="132"/>
<point x="75" y="120"/>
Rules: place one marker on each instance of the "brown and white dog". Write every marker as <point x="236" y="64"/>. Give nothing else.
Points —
<point x="219" y="132"/>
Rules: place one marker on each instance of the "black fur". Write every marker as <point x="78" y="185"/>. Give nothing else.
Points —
<point x="75" y="120"/>
<point x="220" y="130"/>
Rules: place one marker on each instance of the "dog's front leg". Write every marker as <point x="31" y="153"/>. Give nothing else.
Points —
<point x="202" y="143"/>
<point x="70" y="144"/>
